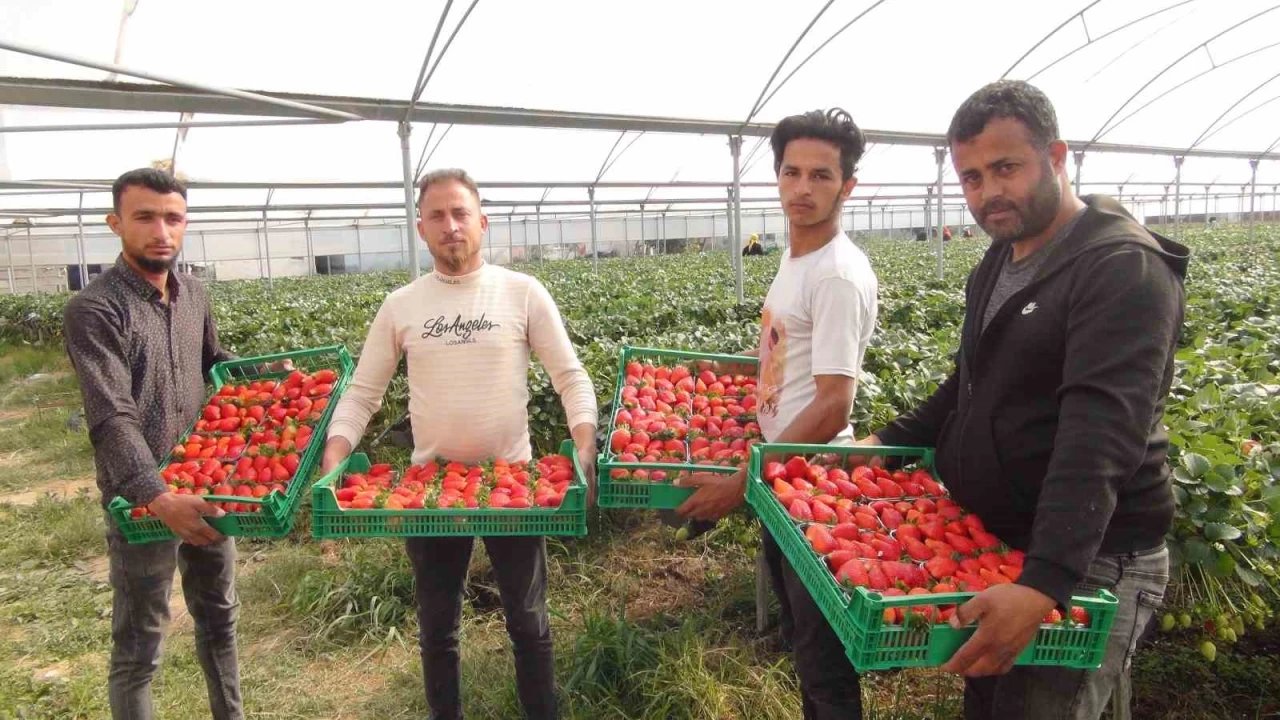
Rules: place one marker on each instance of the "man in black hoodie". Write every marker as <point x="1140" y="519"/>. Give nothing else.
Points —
<point x="1050" y="427"/>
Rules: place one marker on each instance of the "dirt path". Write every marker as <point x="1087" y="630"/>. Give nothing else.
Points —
<point x="60" y="489"/>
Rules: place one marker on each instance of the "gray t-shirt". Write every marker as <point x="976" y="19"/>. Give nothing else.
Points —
<point x="1014" y="276"/>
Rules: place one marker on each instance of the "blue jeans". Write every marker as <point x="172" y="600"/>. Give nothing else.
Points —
<point x="1138" y="581"/>
<point x="142" y="578"/>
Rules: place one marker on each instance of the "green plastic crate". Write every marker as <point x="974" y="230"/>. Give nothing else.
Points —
<point x="329" y="521"/>
<point x="279" y="510"/>
<point x="858" y="617"/>
<point x="644" y="494"/>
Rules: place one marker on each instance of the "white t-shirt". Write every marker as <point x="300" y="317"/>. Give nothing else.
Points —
<point x="818" y="319"/>
<point x="467" y="340"/>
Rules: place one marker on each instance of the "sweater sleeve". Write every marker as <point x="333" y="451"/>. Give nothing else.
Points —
<point x="379" y="359"/>
<point x="550" y="343"/>
<point x="1123" y="321"/>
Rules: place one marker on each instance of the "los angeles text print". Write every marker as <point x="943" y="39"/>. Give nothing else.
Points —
<point x="461" y="330"/>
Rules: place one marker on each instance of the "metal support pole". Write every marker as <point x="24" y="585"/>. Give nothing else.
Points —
<point x="80" y="250"/>
<point x="595" y="256"/>
<point x="8" y="251"/>
<point x="31" y="260"/>
<point x="1079" y="162"/>
<point x="1177" y="198"/>
<point x="266" y="235"/>
<point x="928" y="212"/>
<point x="644" y="246"/>
<point x="511" y="255"/>
<point x="1206" y="206"/>
<point x="1253" y="189"/>
<point x="626" y="236"/>
<point x="410" y="249"/>
<point x="735" y="147"/>
<point x="664" y="233"/>
<point x="311" y="249"/>
<point x="524" y="236"/>
<point x="728" y="224"/>
<point x="941" y="155"/>
<point x="359" y="247"/>
<point x="538" y="210"/>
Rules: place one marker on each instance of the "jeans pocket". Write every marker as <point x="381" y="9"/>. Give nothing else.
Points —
<point x="1149" y="602"/>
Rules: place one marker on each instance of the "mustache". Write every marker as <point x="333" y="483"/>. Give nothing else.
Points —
<point x="996" y="206"/>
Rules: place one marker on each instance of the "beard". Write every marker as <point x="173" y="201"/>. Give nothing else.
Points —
<point x="1031" y="216"/>
<point x="153" y="265"/>
<point x="454" y="258"/>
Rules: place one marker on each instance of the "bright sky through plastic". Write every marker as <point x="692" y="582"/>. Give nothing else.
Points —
<point x="906" y="66"/>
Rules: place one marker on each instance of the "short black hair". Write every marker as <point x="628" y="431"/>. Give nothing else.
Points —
<point x="1014" y="99"/>
<point x="834" y="126"/>
<point x="150" y="178"/>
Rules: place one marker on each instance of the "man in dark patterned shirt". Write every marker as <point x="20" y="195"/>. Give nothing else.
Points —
<point x="142" y="339"/>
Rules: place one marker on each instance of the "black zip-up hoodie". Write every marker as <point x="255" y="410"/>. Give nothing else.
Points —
<point x="1050" y="428"/>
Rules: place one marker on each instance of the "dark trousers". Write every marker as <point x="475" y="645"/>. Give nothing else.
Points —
<point x="1138" y="581"/>
<point x="141" y="580"/>
<point x="829" y="688"/>
<point x="440" y="572"/>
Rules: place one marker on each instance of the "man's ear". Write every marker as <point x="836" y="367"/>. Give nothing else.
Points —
<point x="1058" y="152"/>
<point x="113" y="222"/>
<point x="847" y="189"/>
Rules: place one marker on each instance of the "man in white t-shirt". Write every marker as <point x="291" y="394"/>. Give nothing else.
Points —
<point x="817" y="322"/>
<point x="466" y="331"/>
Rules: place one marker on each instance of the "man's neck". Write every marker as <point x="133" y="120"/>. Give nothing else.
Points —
<point x="460" y="272"/>
<point x="160" y="280"/>
<point x="1067" y="210"/>
<point x="807" y="239"/>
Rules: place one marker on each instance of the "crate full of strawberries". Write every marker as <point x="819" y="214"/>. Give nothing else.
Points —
<point x="674" y="414"/>
<point x="546" y="496"/>
<point x="888" y="556"/>
<point x="254" y="444"/>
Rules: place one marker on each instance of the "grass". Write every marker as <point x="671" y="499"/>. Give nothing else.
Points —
<point x="36" y="444"/>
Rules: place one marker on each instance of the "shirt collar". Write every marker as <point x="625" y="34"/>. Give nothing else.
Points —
<point x="142" y="286"/>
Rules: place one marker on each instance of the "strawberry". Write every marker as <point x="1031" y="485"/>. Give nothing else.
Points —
<point x="941" y="567"/>
<point x="797" y="468"/>
<point x="800" y="510"/>
<point x="963" y="545"/>
<point x="991" y="561"/>
<point x="993" y="578"/>
<point x="908" y="530"/>
<point x="916" y="549"/>
<point x="1053" y="618"/>
<point x="973" y="522"/>
<point x="837" y="558"/>
<point x="891" y="518"/>
<point x="1013" y="572"/>
<point x="820" y="538"/>
<point x="970" y="582"/>
<point x="1015" y="557"/>
<point x="983" y="539"/>
<point x="853" y="573"/>
<point x="846" y="531"/>
<point x="877" y="579"/>
<point x="1080" y="615"/>
<point x="822" y="512"/>
<point x="905" y="573"/>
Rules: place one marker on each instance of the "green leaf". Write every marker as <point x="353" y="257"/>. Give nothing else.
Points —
<point x="1221" y="531"/>
<point x="1198" y="552"/>
<point x="1184" y="477"/>
<point x="1250" y="578"/>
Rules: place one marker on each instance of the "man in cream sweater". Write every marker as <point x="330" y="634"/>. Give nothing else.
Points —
<point x="467" y="330"/>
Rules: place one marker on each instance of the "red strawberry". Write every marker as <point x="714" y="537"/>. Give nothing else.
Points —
<point x="1080" y="615"/>
<point x="916" y="549"/>
<point x="843" y="515"/>
<point x="854" y="573"/>
<point x="877" y="580"/>
<point x="820" y="538"/>
<point x="907" y="530"/>
<point x="991" y="561"/>
<point x="846" y="531"/>
<point x="993" y="578"/>
<point x="887" y="549"/>
<point x="906" y="573"/>
<point x="797" y="468"/>
<point x="963" y="545"/>
<point x="942" y="567"/>
<point x="1013" y="572"/>
<point x="934" y="530"/>
<point x="800" y="510"/>
<point x="1014" y="557"/>
<point x="1053" y="618"/>
<point x="868" y="488"/>
<point x="837" y="559"/>
<point x="890" y="489"/>
<point x="775" y="471"/>
<point x="822" y="512"/>
<point x="973" y="522"/>
<point x="891" y="518"/>
<point x="847" y="489"/>
<point x="984" y="539"/>
<point x="970" y="582"/>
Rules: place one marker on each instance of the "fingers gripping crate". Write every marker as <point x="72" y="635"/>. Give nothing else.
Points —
<point x="276" y="511"/>
<point x="858" y="614"/>
<point x="328" y="520"/>
<point x="630" y="484"/>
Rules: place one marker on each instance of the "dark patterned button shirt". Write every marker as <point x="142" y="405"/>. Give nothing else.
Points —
<point x="141" y="363"/>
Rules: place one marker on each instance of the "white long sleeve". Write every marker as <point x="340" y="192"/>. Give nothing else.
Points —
<point x="467" y="342"/>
